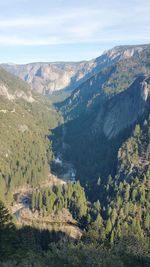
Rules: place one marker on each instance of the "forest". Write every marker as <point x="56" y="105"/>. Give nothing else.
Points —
<point x="120" y="223"/>
<point x="102" y="130"/>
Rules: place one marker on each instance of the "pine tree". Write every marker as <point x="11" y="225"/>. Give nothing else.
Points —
<point x="134" y="194"/>
<point x="97" y="206"/>
<point x="112" y="237"/>
<point x="137" y="131"/>
<point x="127" y="192"/>
<point x="97" y="223"/>
<point x="40" y="201"/>
<point x="147" y="221"/>
<point x="5" y="217"/>
<point x="33" y="200"/>
<point x="108" y="226"/>
<point x="88" y="219"/>
<point x="113" y="216"/>
<point x="7" y="236"/>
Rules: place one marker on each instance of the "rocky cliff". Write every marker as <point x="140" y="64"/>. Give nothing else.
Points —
<point x="46" y="78"/>
<point x="13" y="88"/>
<point x="107" y="83"/>
<point x="124" y="109"/>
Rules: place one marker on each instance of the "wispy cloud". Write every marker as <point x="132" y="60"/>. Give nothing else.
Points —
<point x="78" y="24"/>
<point x="28" y="23"/>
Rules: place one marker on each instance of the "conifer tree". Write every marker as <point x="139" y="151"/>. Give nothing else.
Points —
<point x="108" y="226"/>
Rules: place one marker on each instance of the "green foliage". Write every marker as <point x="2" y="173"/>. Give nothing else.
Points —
<point x="70" y="196"/>
<point x="25" y="148"/>
<point x="7" y="233"/>
<point x="5" y="218"/>
<point x="117" y="225"/>
<point x="128" y="252"/>
<point x="125" y="207"/>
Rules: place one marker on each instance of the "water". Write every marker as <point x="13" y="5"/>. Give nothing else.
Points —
<point x="17" y="214"/>
<point x="58" y="161"/>
<point x="25" y="200"/>
<point x="64" y="169"/>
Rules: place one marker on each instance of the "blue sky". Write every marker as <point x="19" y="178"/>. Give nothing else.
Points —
<point x="63" y="30"/>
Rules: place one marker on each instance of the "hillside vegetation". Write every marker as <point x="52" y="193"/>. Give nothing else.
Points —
<point x="116" y="227"/>
<point x="25" y="126"/>
<point x="105" y="141"/>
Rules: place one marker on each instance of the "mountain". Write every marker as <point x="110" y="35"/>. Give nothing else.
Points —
<point x="101" y="113"/>
<point x="106" y="83"/>
<point x="105" y="140"/>
<point x="25" y="150"/>
<point x="46" y="78"/>
<point x="10" y="88"/>
<point x="124" y="109"/>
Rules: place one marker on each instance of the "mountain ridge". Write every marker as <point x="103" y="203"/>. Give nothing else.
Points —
<point x="106" y="83"/>
<point x="49" y="77"/>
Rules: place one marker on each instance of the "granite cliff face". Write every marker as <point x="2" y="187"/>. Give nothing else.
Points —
<point x="46" y="78"/>
<point x="13" y="88"/>
<point x="124" y="109"/>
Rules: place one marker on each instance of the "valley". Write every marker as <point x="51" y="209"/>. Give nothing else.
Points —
<point x="75" y="170"/>
<point x="64" y="169"/>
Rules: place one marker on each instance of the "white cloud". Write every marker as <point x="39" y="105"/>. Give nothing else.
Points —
<point x="78" y="25"/>
<point x="15" y="40"/>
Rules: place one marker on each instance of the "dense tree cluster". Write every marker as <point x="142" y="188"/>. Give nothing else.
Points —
<point x="25" y="146"/>
<point x="124" y="205"/>
<point x="70" y="196"/>
<point x="118" y="221"/>
<point x="126" y="208"/>
<point x="32" y="247"/>
<point x="114" y="215"/>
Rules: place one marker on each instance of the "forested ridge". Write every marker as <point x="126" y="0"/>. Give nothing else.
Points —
<point x="25" y="146"/>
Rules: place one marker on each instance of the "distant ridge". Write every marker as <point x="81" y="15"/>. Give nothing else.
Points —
<point x="47" y="78"/>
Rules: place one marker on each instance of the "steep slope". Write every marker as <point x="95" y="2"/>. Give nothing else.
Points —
<point x="123" y="110"/>
<point x="125" y="196"/>
<point x="108" y="82"/>
<point x="134" y="154"/>
<point x="26" y="120"/>
<point x="50" y="77"/>
<point x="10" y="87"/>
<point x="128" y="194"/>
<point x="95" y="136"/>
<point x="101" y="113"/>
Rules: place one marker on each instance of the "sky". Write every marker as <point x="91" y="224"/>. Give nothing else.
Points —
<point x="68" y="30"/>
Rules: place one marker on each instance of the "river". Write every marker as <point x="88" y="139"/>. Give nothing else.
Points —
<point x="65" y="170"/>
<point x="62" y="169"/>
